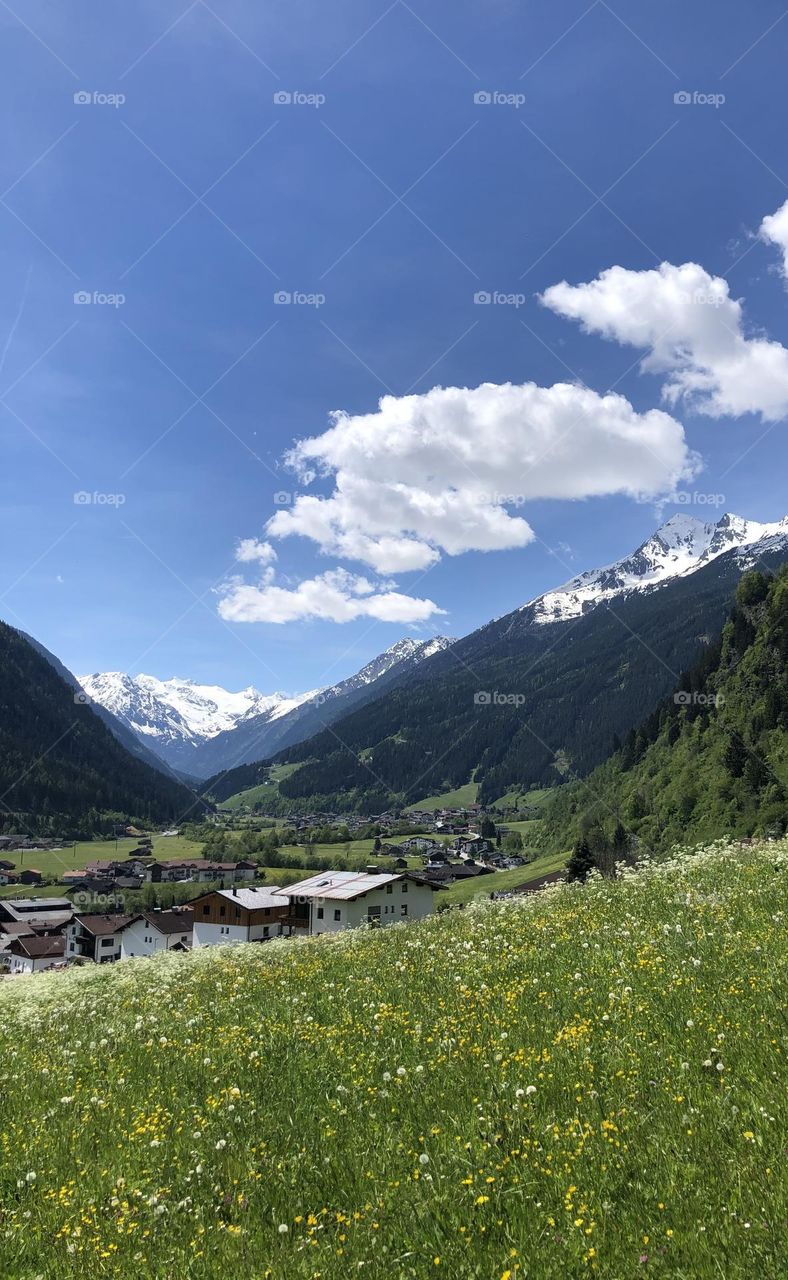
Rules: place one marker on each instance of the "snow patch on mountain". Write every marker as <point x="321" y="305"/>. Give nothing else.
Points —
<point x="678" y="548"/>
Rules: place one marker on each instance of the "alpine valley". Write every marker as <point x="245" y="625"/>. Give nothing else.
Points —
<point x="535" y="698"/>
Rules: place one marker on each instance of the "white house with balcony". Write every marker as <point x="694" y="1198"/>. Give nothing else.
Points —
<point x="336" y="900"/>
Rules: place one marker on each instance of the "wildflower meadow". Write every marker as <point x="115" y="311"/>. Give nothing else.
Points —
<point x="589" y="1081"/>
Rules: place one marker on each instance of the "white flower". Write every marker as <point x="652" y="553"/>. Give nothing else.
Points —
<point x="283" y="1228"/>
<point x="221" y="1144"/>
<point x="424" y="1158"/>
<point x="386" y="1076"/>
<point x="31" y="1176"/>
<point x="401" y="1071"/>
<point x="531" y="1089"/>
<point x="519" y="1093"/>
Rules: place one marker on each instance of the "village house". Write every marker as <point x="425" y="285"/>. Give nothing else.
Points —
<point x="199" y="869"/>
<point x="8" y="877"/>
<point x="42" y="915"/>
<point x="153" y="931"/>
<point x="335" y="900"/>
<point x="240" y="915"/>
<point x="95" y="937"/>
<point x="34" y="954"/>
<point x="112" y="867"/>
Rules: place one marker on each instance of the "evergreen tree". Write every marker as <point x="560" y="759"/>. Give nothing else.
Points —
<point x="581" y="863"/>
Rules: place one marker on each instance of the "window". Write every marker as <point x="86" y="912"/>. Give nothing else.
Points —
<point x="403" y="909"/>
<point x="337" y="914"/>
<point x="222" y="910"/>
<point x="107" y="942"/>
<point x="320" y="913"/>
<point x="206" y="909"/>
<point x="265" y="930"/>
<point x="389" y="888"/>
<point x="238" y="913"/>
<point x="404" y="886"/>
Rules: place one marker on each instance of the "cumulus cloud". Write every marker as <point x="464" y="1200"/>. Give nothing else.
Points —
<point x="439" y="472"/>
<point x="693" y="331"/>
<point x="334" y="596"/>
<point x="774" y="230"/>
<point x="253" y="551"/>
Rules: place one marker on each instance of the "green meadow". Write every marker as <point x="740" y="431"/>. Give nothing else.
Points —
<point x="589" y="1081"/>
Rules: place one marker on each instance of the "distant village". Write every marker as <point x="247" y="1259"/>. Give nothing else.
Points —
<point x="49" y="933"/>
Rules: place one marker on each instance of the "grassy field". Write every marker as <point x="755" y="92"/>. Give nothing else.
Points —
<point x="265" y="791"/>
<point x="586" y="1082"/>
<point x="483" y="886"/>
<point x="74" y="857"/>
<point x="457" y="799"/>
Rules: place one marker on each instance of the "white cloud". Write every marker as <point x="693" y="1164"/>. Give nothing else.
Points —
<point x="694" y="333"/>
<point x="437" y="472"/>
<point x="774" y="230"/>
<point x="334" y="596"/>
<point x="252" y="550"/>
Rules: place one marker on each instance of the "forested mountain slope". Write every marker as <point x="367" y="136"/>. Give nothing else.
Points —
<point x="61" y="769"/>
<point x="566" y="693"/>
<point x="712" y="760"/>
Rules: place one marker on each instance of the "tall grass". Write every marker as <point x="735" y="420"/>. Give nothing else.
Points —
<point x="590" y="1082"/>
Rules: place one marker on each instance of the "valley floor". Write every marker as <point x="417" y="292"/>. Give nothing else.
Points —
<point x="585" y="1082"/>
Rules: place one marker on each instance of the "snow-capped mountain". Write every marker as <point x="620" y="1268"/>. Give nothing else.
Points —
<point x="174" y="716"/>
<point x="679" y="547"/>
<point x="178" y="719"/>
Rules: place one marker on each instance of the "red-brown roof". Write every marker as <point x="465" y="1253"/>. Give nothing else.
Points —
<point x="35" y="948"/>
<point x="100" y="925"/>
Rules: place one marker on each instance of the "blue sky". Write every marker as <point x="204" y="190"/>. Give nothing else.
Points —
<point x="392" y="195"/>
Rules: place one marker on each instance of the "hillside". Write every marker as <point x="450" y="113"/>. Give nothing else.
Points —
<point x="61" y="769"/>
<point x="712" y="760"/>
<point x="556" y="1087"/>
<point x="567" y="691"/>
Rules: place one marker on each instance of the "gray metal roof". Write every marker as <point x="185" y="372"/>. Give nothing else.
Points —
<point x="343" y="885"/>
<point x="252" y="899"/>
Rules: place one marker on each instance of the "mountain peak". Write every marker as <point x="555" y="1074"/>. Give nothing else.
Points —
<point x="678" y="547"/>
